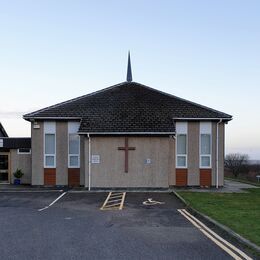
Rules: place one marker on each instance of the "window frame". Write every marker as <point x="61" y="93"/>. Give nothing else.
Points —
<point x="49" y="128"/>
<point x="72" y="154"/>
<point x="182" y="155"/>
<point x="181" y="129"/>
<point x="18" y="151"/>
<point x="73" y="130"/>
<point x="205" y="130"/>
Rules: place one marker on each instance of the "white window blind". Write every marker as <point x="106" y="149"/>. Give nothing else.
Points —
<point x="49" y="144"/>
<point x="181" y="139"/>
<point x="74" y="145"/>
<point x="205" y="144"/>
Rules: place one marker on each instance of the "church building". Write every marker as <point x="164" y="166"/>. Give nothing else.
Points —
<point x="127" y="136"/>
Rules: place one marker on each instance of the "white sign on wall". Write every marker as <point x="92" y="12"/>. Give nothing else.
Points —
<point x="95" y="158"/>
<point x="148" y="161"/>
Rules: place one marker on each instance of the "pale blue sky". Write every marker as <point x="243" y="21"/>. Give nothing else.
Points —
<point x="204" y="51"/>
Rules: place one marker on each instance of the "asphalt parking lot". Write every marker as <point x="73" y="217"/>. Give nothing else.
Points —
<point x="75" y="228"/>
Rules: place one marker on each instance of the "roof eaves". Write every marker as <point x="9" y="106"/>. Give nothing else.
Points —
<point x="126" y="133"/>
<point x="52" y="118"/>
<point x="203" y="118"/>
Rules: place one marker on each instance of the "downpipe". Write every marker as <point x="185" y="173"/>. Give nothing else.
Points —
<point x="89" y="163"/>
<point x="217" y="155"/>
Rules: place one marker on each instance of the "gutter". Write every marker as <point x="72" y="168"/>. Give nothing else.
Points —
<point x="89" y="162"/>
<point x="207" y="119"/>
<point x="126" y="133"/>
<point x="51" y="118"/>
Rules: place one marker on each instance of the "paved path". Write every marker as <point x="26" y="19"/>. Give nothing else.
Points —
<point x="235" y="186"/>
<point x="76" y="228"/>
<point x="230" y="186"/>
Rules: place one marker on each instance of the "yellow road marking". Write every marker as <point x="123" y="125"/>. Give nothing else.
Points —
<point x="114" y="201"/>
<point x="117" y="193"/>
<point x="109" y="194"/>
<point x="118" y="196"/>
<point x="206" y="231"/>
<point x="113" y="205"/>
<point x="217" y="236"/>
<point x="122" y="202"/>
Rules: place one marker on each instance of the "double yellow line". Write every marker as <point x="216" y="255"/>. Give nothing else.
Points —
<point x="222" y="243"/>
<point x="114" y="201"/>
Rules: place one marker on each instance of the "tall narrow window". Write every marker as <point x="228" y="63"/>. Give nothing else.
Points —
<point x="49" y="145"/>
<point x="74" y="145"/>
<point x="205" y="145"/>
<point x="181" y="150"/>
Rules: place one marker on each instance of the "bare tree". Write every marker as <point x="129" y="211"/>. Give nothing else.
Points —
<point x="236" y="163"/>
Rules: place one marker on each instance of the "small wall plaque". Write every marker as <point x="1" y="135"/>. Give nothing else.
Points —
<point x="95" y="158"/>
<point x="148" y="161"/>
<point x="36" y="126"/>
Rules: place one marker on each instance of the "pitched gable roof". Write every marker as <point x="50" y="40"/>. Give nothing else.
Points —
<point x="127" y="107"/>
<point x="16" y="142"/>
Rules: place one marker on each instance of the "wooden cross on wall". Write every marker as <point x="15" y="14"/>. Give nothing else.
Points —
<point x="126" y="149"/>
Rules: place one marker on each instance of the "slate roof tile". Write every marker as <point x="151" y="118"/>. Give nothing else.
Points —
<point x="128" y="107"/>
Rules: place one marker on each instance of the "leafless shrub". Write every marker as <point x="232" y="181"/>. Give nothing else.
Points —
<point x="236" y="163"/>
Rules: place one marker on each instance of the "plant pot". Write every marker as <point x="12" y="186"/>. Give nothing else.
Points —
<point x="17" y="181"/>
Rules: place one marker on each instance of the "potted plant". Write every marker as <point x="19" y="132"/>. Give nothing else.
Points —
<point x="18" y="174"/>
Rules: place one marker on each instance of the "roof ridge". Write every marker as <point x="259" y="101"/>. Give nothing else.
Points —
<point x="71" y="100"/>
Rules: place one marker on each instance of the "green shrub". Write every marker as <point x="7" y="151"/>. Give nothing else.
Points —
<point x="18" y="174"/>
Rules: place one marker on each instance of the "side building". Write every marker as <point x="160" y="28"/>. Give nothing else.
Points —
<point x="15" y="153"/>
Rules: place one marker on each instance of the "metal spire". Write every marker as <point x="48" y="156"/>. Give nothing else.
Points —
<point x="129" y="70"/>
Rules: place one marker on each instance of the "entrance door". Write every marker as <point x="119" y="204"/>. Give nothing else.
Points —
<point x="4" y="168"/>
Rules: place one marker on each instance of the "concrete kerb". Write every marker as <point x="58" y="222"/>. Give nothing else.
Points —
<point x="28" y="188"/>
<point x="93" y="190"/>
<point x="219" y="226"/>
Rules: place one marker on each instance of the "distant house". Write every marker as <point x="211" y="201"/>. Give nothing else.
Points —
<point x="14" y="153"/>
<point x="128" y="136"/>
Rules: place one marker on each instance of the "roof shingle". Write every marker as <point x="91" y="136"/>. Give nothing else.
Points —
<point x="128" y="107"/>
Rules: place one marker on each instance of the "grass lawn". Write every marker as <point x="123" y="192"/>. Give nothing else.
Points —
<point x="239" y="211"/>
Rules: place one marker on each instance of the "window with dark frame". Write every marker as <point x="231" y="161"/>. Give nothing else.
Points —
<point x="24" y="151"/>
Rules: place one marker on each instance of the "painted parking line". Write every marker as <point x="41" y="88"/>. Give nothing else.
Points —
<point x="222" y="243"/>
<point x="114" y="201"/>
<point x="52" y="203"/>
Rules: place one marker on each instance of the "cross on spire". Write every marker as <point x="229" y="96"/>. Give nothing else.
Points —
<point x="129" y="69"/>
